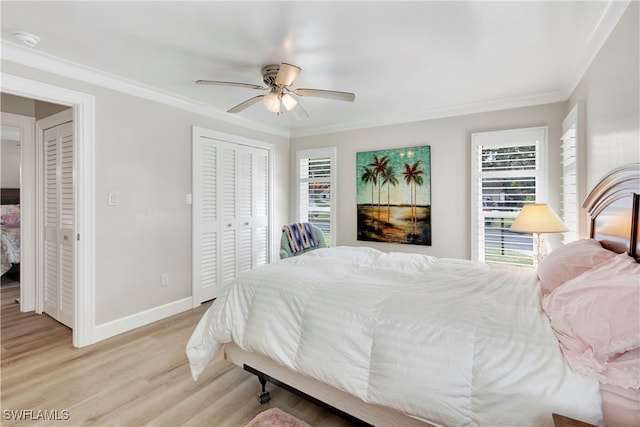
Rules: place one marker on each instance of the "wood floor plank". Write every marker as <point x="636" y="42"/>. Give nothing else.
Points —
<point x="137" y="378"/>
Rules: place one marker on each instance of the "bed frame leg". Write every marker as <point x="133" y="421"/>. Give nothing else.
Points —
<point x="263" y="396"/>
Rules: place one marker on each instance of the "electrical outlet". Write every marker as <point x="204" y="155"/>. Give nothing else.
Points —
<point x="164" y="280"/>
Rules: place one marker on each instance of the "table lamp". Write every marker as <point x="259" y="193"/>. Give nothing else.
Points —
<point x="538" y="218"/>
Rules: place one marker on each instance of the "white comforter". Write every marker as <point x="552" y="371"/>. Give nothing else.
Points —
<point x="449" y="342"/>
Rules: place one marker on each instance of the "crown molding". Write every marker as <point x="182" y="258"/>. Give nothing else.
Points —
<point x="52" y="64"/>
<point x="610" y="17"/>
<point x="56" y="65"/>
<point x="439" y="113"/>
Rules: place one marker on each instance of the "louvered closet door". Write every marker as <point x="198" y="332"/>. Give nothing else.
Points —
<point x="230" y="205"/>
<point x="206" y="251"/>
<point x="245" y="209"/>
<point x="59" y="218"/>
<point x="228" y="187"/>
<point x="260" y="196"/>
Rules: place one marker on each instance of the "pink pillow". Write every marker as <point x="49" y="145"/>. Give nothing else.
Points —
<point x="569" y="261"/>
<point x="596" y="318"/>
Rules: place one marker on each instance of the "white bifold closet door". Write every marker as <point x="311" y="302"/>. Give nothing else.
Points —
<point x="230" y="209"/>
<point x="59" y="219"/>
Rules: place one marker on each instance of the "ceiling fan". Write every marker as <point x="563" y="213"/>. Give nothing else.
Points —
<point x="278" y="78"/>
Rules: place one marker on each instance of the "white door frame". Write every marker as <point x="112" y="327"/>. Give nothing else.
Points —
<point x="84" y="124"/>
<point x="28" y="260"/>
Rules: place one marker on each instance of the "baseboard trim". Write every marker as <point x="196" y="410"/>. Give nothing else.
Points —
<point x="128" y="323"/>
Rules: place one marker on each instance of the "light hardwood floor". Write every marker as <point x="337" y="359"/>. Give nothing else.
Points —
<point x="138" y="378"/>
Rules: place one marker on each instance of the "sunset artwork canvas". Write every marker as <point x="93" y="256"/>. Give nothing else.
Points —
<point x="394" y="195"/>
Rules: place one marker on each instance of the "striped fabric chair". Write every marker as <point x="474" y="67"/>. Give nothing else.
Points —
<point x="285" y="247"/>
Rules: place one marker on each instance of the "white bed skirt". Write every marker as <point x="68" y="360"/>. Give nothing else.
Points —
<point x="372" y="414"/>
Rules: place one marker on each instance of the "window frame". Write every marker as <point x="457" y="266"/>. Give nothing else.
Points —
<point x="317" y="153"/>
<point x="505" y="138"/>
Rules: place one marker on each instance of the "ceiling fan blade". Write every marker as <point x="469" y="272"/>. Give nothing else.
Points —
<point x="245" y="104"/>
<point x="219" y="83"/>
<point x="329" y="94"/>
<point x="287" y="73"/>
<point x="298" y="112"/>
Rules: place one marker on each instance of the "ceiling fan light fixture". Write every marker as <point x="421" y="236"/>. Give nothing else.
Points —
<point x="277" y="79"/>
<point x="288" y="101"/>
<point x="272" y="102"/>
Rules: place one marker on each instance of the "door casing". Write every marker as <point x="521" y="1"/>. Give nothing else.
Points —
<point x="84" y="128"/>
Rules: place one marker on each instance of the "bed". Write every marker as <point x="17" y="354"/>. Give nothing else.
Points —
<point x="408" y="339"/>
<point x="10" y="230"/>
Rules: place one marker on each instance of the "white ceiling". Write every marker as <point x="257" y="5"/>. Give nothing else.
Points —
<point x="405" y="61"/>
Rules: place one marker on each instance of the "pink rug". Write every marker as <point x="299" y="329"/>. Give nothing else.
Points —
<point x="274" y="417"/>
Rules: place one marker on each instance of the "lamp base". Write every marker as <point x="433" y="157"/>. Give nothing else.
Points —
<point x="540" y="248"/>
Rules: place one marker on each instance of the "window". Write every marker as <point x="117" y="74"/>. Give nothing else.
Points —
<point x="571" y="185"/>
<point x="316" y="189"/>
<point x="508" y="172"/>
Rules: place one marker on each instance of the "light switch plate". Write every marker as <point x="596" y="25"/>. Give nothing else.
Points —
<point x="113" y="199"/>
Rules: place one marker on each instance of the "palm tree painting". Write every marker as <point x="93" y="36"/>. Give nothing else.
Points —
<point x="394" y="195"/>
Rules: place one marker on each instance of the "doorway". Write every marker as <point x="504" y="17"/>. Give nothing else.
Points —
<point x="10" y="206"/>
<point x="18" y="238"/>
<point x="83" y="123"/>
<point x="38" y="246"/>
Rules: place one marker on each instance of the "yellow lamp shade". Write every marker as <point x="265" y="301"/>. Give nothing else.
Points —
<point x="538" y="218"/>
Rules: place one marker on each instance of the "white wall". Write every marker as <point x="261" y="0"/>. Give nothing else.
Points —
<point x="10" y="164"/>
<point x="450" y="140"/>
<point x="28" y="107"/>
<point x="610" y="92"/>
<point x="10" y="151"/>
<point x="143" y="153"/>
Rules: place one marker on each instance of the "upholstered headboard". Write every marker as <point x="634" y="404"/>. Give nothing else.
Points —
<point x="614" y="207"/>
<point x="9" y="196"/>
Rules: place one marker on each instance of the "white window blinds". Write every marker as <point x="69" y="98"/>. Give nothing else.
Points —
<point x="316" y="189"/>
<point x="569" y="186"/>
<point x="507" y="174"/>
<point x="571" y="190"/>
